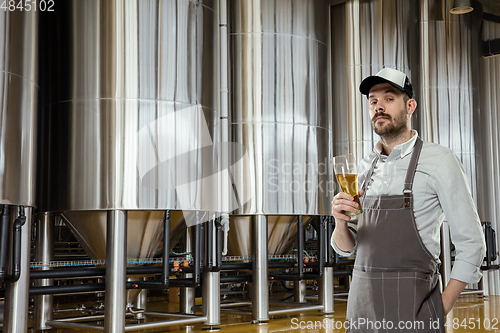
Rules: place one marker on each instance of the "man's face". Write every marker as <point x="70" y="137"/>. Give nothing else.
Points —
<point x="388" y="110"/>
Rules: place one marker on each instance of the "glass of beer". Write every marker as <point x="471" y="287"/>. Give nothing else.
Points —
<point x="347" y="176"/>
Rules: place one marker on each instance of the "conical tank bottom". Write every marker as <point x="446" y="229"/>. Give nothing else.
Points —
<point x="144" y="234"/>
<point x="281" y="230"/>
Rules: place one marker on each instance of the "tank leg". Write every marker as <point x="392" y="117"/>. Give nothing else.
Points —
<point x="116" y="272"/>
<point x="326" y="290"/>
<point x="44" y="253"/>
<point x="187" y="295"/>
<point x="260" y="285"/>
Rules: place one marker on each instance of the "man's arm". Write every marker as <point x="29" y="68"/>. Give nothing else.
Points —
<point x="465" y="227"/>
<point x="342" y="236"/>
<point x="451" y="294"/>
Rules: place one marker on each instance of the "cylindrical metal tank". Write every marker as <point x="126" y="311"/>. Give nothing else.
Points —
<point x="129" y="105"/>
<point x="449" y="75"/>
<point x="488" y="195"/>
<point x="279" y="104"/>
<point x="367" y="35"/>
<point x="18" y="114"/>
<point x="128" y="116"/>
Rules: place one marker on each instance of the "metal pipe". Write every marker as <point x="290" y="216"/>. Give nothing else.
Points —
<point x="116" y="272"/>
<point x="167" y="314"/>
<point x="228" y="266"/>
<point x="295" y="310"/>
<point x="141" y="302"/>
<point x="61" y="324"/>
<point x="44" y="253"/>
<point x="16" y="293"/>
<point x="218" y="245"/>
<point x="69" y="272"/>
<point x="209" y="253"/>
<point x="225" y="186"/>
<point x="16" y="245"/>
<point x="260" y="292"/>
<point x="64" y="289"/>
<point x="187" y="296"/>
<point x="4" y="241"/>
<point x="326" y="290"/>
<point x="330" y="255"/>
<point x="211" y="298"/>
<point x="299" y="291"/>
<point x="160" y="324"/>
<point x="236" y="278"/>
<point x="300" y="251"/>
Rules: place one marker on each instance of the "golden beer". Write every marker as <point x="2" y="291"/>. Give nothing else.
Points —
<point x="349" y="184"/>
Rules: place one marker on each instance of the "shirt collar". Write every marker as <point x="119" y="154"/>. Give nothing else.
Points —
<point x="402" y="149"/>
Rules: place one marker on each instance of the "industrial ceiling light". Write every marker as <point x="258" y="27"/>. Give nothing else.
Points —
<point x="461" y="7"/>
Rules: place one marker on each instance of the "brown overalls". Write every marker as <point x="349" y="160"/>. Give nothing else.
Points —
<point x="395" y="282"/>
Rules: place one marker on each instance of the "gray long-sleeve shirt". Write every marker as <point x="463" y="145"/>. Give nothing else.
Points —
<point x="440" y="189"/>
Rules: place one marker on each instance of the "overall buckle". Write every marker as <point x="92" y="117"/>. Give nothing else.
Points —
<point x="407" y="196"/>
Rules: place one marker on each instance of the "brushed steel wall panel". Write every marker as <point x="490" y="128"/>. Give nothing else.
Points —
<point x="127" y="85"/>
<point x="18" y="114"/>
<point x="279" y="103"/>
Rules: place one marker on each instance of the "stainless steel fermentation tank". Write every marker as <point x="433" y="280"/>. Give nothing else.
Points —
<point x="18" y="116"/>
<point x="129" y="114"/>
<point x="128" y="121"/>
<point x="279" y="112"/>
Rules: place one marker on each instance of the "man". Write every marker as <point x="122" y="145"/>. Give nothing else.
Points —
<point x="409" y="186"/>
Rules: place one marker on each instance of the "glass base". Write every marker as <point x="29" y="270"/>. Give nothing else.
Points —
<point x="359" y="211"/>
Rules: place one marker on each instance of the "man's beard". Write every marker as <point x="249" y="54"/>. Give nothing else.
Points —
<point x="395" y="126"/>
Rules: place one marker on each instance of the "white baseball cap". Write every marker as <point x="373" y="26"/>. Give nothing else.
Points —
<point x="394" y="77"/>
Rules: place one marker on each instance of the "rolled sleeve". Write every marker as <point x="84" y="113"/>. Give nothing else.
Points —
<point x="350" y="252"/>
<point x="465" y="226"/>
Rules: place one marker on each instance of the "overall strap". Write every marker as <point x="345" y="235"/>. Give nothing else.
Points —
<point x="369" y="174"/>
<point x="410" y="174"/>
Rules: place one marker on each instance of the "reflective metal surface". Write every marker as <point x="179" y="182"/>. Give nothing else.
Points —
<point x="448" y="99"/>
<point x="279" y="103"/>
<point x="280" y="229"/>
<point x="129" y="105"/>
<point x="367" y="36"/>
<point x="489" y="196"/>
<point x="116" y="272"/>
<point x="211" y="298"/>
<point x="18" y="95"/>
<point x="44" y="253"/>
<point x="17" y="293"/>
<point x="143" y="236"/>
<point x="260" y="288"/>
<point x="326" y="290"/>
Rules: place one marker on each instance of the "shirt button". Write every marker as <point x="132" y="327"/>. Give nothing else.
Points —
<point x="385" y="182"/>
<point x="390" y="162"/>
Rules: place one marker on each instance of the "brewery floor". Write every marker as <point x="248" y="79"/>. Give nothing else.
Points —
<point x="472" y="313"/>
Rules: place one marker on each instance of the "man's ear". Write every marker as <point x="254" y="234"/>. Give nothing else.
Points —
<point x="411" y="105"/>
